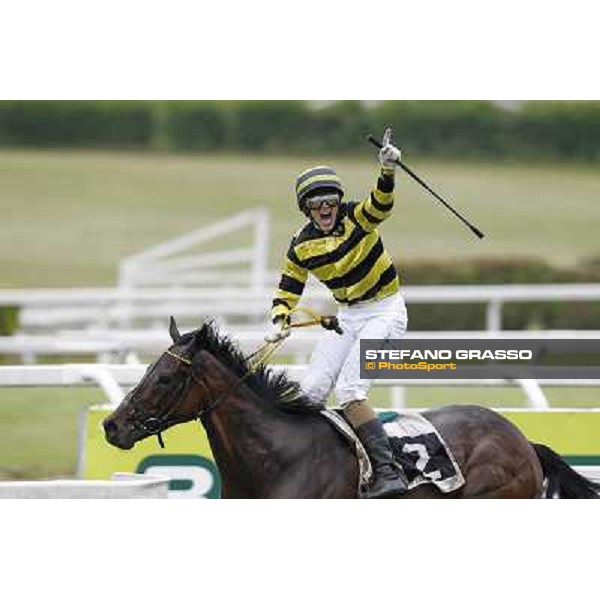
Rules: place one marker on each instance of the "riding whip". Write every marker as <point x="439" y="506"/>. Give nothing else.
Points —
<point x="472" y="227"/>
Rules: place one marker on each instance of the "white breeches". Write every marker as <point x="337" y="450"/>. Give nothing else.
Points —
<point x="335" y="362"/>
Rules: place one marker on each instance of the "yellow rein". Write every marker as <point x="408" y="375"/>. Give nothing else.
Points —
<point x="267" y="350"/>
<point x="315" y="320"/>
<point x="264" y="352"/>
<point x="253" y="362"/>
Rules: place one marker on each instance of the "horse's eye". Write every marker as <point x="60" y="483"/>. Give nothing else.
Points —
<point x="164" y="379"/>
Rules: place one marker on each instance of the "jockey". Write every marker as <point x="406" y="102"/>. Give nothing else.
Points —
<point x="341" y="246"/>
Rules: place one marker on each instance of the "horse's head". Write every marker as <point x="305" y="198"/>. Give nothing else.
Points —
<point x="190" y="379"/>
<point x="165" y="396"/>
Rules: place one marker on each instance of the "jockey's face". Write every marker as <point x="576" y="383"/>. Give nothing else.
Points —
<point x="324" y="211"/>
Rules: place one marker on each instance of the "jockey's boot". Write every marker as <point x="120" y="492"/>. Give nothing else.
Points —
<point x="388" y="477"/>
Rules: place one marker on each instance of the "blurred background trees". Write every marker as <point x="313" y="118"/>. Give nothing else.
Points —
<point x="463" y="128"/>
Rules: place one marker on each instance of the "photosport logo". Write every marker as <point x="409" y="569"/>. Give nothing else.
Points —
<point x="480" y="359"/>
<point x="191" y="475"/>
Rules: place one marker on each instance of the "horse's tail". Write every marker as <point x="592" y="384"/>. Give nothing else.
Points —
<point x="562" y="480"/>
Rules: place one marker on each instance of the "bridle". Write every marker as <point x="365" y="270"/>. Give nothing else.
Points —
<point x="155" y="425"/>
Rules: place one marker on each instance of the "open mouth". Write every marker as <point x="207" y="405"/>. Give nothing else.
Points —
<point x="326" y="218"/>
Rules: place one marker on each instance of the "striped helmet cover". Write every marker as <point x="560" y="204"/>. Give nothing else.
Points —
<point x="316" y="178"/>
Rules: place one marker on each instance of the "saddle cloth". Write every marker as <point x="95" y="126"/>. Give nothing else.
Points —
<point x="417" y="446"/>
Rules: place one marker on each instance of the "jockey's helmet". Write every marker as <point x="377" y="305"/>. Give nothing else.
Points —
<point x="316" y="178"/>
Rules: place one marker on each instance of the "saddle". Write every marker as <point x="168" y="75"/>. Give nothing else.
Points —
<point x="417" y="445"/>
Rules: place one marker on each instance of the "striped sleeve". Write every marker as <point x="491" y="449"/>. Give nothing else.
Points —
<point x="291" y="286"/>
<point x="375" y="209"/>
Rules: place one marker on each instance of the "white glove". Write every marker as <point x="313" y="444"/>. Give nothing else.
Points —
<point x="389" y="154"/>
<point x="277" y="331"/>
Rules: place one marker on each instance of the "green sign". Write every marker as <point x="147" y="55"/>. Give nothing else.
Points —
<point x="191" y="476"/>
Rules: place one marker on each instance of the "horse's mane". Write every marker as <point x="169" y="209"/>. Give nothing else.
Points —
<point x="274" y="387"/>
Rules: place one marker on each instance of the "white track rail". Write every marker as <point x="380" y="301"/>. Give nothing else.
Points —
<point x="133" y="489"/>
<point x="114" y="379"/>
<point x="118" y="342"/>
<point x="93" y="306"/>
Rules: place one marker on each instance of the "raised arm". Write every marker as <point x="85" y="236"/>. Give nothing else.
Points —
<point x="375" y="209"/>
<point x="378" y="206"/>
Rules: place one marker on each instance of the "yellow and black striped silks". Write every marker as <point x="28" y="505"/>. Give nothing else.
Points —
<point x="351" y="260"/>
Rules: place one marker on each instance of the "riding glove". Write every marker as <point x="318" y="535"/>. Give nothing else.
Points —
<point x="277" y="331"/>
<point x="389" y="154"/>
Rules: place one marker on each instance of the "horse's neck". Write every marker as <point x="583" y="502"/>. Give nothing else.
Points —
<point x="263" y="452"/>
<point x="246" y="442"/>
<point x="243" y="430"/>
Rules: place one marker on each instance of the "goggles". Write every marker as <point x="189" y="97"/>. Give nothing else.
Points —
<point x="329" y="200"/>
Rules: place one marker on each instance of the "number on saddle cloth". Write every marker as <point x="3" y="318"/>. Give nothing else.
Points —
<point x="422" y="453"/>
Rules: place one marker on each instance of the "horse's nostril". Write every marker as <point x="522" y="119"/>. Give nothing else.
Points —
<point x="110" y="428"/>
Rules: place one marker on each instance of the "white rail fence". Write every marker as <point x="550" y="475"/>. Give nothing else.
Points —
<point x="122" y="488"/>
<point x="109" y="345"/>
<point x="170" y="264"/>
<point x="103" y="307"/>
<point x="115" y="379"/>
<point x="232" y="285"/>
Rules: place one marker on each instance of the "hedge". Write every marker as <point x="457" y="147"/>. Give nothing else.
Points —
<point x="272" y="126"/>
<point x="463" y="128"/>
<point x="197" y="125"/>
<point x="525" y="315"/>
<point x="9" y="320"/>
<point x="558" y="129"/>
<point x="9" y="324"/>
<point x="112" y="124"/>
<point x="458" y="128"/>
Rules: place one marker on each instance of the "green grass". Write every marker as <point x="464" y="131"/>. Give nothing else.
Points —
<point x="496" y="397"/>
<point x="38" y="430"/>
<point x="69" y="217"/>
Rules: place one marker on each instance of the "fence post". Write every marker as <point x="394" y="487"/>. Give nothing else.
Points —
<point x="104" y="379"/>
<point x="398" y="396"/>
<point x="535" y="395"/>
<point x="494" y="315"/>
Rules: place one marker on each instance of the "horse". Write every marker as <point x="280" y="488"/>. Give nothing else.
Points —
<point x="269" y="440"/>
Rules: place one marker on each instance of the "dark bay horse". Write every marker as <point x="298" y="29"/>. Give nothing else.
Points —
<point x="269" y="442"/>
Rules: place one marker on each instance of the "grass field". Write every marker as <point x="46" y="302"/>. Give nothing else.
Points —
<point x="38" y="430"/>
<point x="69" y="217"/>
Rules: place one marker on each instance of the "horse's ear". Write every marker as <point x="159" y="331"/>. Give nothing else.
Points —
<point x="173" y="331"/>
